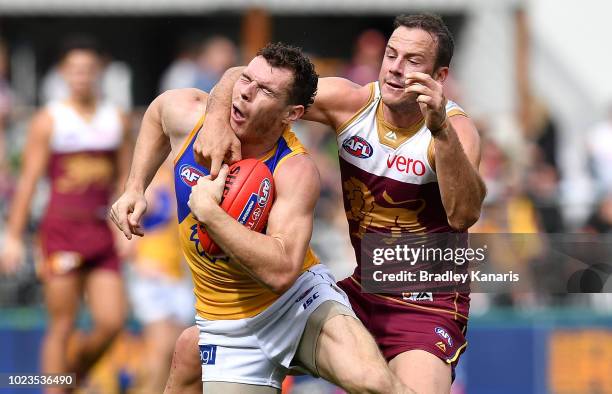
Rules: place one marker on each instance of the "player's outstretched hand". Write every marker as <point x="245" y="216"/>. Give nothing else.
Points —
<point x="127" y="211"/>
<point x="207" y="192"/>
<point x="216" y="143"/>
<point x="430" y="96"/>
<point x="11" y="257"/>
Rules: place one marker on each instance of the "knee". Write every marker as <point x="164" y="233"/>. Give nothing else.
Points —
<point x="60" y="329"/>
<point x="110" y="326"/>
<point x="186" y="348"/>
<point x="61" y="326"/>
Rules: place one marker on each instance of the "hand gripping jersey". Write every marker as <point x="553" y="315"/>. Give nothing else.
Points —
<point x="388" y="176"/>
<point x="224" y="291"/>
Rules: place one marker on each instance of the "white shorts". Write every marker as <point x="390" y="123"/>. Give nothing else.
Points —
<point x="259" y="350"/>
<point x="159" y="298"/>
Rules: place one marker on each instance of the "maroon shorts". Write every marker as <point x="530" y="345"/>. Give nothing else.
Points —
<point x="434" y="323"/>
<point x="70" y="246"/>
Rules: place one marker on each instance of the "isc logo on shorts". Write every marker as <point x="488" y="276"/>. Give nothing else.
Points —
<point x="310" y="300"/>
<point x="208" y="354"/>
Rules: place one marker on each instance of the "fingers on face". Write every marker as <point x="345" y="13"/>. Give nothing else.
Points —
<point x="425" y="99"/>
<point x="420" y="89"/>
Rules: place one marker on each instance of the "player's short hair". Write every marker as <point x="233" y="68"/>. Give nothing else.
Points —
<point x="79" y="43"/>
<point x="435" y="26"/>
<point x="305" y="78"/>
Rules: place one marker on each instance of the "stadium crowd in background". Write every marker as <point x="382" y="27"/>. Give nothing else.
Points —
<point x="523" y="189"/>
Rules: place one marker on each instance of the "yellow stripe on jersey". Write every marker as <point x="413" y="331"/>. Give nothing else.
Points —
<point x="344" y="125"/>
<point x="293" y="144"/>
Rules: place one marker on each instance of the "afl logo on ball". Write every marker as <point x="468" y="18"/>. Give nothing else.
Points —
<point x="190" y="175"/>
<point x="358" y="147"/>
<point x="264" y="192"/>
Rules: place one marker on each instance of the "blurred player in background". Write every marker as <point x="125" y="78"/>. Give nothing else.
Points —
<point x="160" y="288"/>
<point x="409" y="164"/>
<point x="6" y="99"/>
<point x="82" y="145"/>
<point x="269" y="299"/>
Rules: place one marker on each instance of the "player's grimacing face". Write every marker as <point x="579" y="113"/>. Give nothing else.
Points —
<point x="259" y="98"/>
<point x="81" y="69"/>
<point x="408" y="50"/>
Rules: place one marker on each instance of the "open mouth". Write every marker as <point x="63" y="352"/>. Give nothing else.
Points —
<point x="395" y="85"/>
<point x="238" y="115"/>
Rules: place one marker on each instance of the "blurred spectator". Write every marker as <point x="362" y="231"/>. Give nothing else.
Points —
<point x="83" y="146"/>
<point x="217" y="54"/>
<point x="599" y="145"/>
<point x="600" y="220"/>
<point x="181" y="73"/>
<point x="543" y="131"/>
<point x="367" y="55"/>
<point x="542" y="187"/>
<point x="115" y="84"/>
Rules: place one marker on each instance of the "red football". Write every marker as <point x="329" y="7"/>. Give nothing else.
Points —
<point x="247" y="197"/>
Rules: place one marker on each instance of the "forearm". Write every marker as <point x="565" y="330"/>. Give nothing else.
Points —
<point x="262" y="256"/>
<point x="20" y="207"/>
<point x="123" y="165"/>
<point x="461" y="188"/>
<point x="152" y="148"/>
<point x="220" y="98"/>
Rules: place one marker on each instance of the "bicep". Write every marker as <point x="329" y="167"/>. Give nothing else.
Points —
<point x="468" y="137"/>
<point x="291" y="217"/>
<point x="336" y="101"/>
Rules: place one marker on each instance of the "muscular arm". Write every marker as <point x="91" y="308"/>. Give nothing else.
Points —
<point x="152" y="147"/>
<point x="456" y="152"/>
<point x="35" y="158"/>
<point x="169" y="117"/>
<point x="457" y="157"/>
<point x="337" y="100"/>
<point x="275" y="258"/>
<point x="124" y="154"/>
<point x="217" y="142"/>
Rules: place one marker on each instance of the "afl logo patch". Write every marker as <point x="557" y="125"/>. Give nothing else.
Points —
<point x="264" y="192"/>
<point x="358" y="147"/>
<point x="442" y="333"/>
<point x="190" y="175"/>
